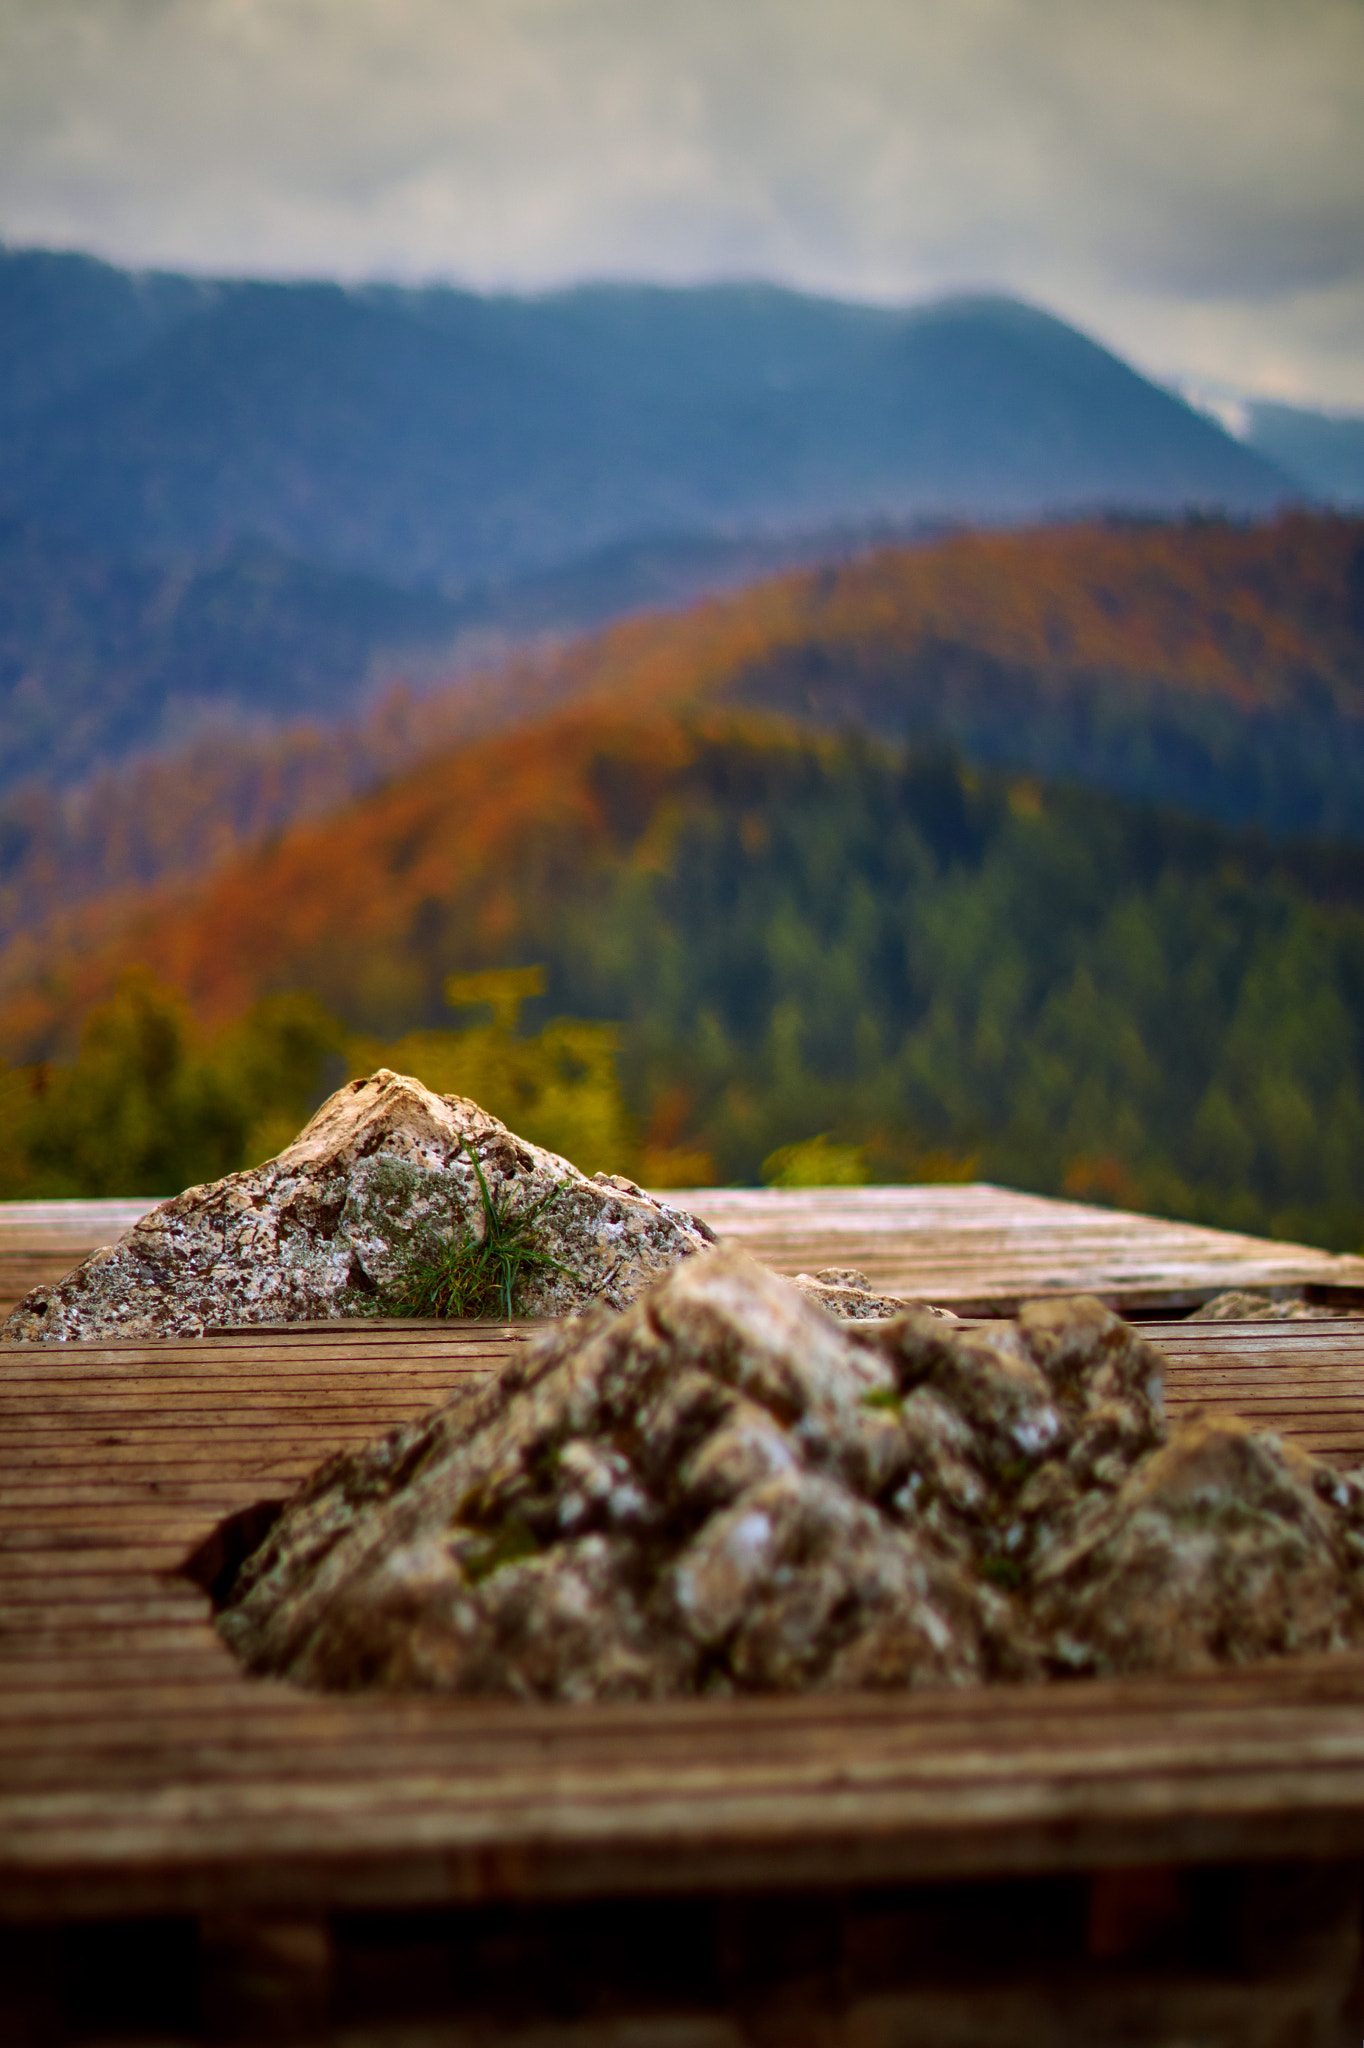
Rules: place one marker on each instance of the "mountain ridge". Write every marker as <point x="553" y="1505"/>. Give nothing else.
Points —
<point x="435" y="436"/>
<point x="102" y="657"/>
<point x="1202" y="664"/>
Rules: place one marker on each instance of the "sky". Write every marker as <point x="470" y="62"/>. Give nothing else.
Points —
<point x="1183" y="178"/>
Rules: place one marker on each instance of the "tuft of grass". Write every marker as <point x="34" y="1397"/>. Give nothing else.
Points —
<point x="478" y="1276"/>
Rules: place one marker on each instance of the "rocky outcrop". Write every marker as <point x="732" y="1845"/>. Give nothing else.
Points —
<point x="376" y="1188"/>
<point x="722" y="1489"/>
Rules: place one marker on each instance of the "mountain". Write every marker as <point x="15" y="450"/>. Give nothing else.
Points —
<point x="1326" y="450"/>
<point x="225" y="501"/>
<point x="1213" y="666"/>
<point x="101" y="656"/>
<point x="438" y="437"/>
<point x="67" y="319"/>
<point x="1200" y="663"/>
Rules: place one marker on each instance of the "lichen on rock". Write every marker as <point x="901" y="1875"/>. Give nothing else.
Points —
<point x="382" y="1179"/>
<point x="722" y="1489"/>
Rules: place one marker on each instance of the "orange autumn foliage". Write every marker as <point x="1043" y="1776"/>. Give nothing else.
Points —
<point x="1244" y="617"/>
<point x="1206" y="605"/>
<point x="1238" y="614"/>
<point x="466" y="827"/>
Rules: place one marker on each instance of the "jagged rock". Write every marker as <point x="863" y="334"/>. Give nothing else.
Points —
<point x="383" y="1175"/>
<point x="723" y="1489"/>
<point x="1011" y="1424"/>
<point x="683" y="1498"/>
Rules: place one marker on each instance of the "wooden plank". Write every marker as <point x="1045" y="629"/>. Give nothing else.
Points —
<point x="298" y="1402"/>
<point x="1276" y="1699"/>
<point x="337" y="1340"/>
<point x="64" y="1222"/>
<point x="87" y="1621"/>
<point x="28" y="1373"/>
<point x="438" y="1837"/>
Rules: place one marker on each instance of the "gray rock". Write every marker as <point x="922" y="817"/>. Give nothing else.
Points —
<point x="381" y="1177"/>
<point x="1226" y="1545"/>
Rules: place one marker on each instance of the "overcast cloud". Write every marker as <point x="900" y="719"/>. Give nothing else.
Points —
<point x="1183" y="177"/>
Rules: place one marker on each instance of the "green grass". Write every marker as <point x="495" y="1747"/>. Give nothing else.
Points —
<point x="478" y="1276"/>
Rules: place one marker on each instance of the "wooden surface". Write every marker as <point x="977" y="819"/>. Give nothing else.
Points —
<point x="983" y="1250"/>
<point x="141" y="1772"/>
<point x="978" y="1249"/>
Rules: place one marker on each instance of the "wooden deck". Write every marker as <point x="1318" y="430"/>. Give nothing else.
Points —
<point x="978" y="1249"/>
<point x="148" y="1786"/>
<point x="982" y="1250"/>
<point x="142" y="1772"/>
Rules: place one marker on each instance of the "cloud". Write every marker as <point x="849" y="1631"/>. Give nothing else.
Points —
<point x="1182" y="175"/>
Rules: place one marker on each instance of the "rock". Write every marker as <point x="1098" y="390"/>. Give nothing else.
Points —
<point x="1012" y="1424"/>
<point x="1236" y="1306"/>
<point x="1222" y="1547"/>
<point x="724" y="1489"/>
<point x="679" y="1499"/>
<point x="382" y="1177"/>
<point x="850" y="1296"/>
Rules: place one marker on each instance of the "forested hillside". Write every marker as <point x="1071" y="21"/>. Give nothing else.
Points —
<point x="66" y="320"/>
<point x="1068" y="893"/>
<point x="180" y="814"/>
<point x="235" y="503"/>
<point x="1214" y="666"/>
<point x="952" y="971"/>
<point x="101" y="657"/>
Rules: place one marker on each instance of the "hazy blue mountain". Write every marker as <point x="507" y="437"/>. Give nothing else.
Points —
<point x="1326" y="450"/>
<point x="241" y="499"/>
<point x="100" y="656"/>
<point x="66" y="318"/>
<point x="444" y="438"/>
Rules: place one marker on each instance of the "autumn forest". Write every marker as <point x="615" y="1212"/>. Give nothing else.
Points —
<point x="1033" y="857"/>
